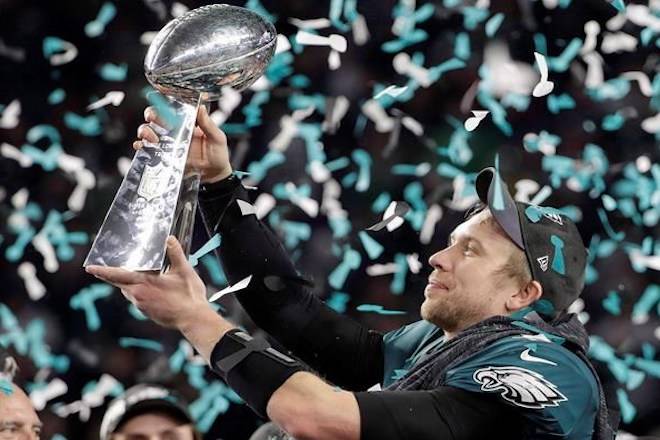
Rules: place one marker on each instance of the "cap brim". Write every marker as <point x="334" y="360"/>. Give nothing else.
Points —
<point x="493" y="192"/>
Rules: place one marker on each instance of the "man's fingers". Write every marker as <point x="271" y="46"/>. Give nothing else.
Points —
<point x="115" y="275"/>
<point x="175" y="253"/>
<point x="208" y="126"/>
<point x="151" y="115"/>
<point x="145" y="132"/>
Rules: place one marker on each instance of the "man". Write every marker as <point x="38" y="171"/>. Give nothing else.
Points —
<point x="18" y="419"/>
<point x="482" y="364"/>
<point x="148" y="412"/>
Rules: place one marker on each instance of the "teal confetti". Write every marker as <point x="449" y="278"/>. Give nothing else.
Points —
<point x="399" y="280"/>
<point x="472" y="16"/>
<point x="649" y="298"/>
<point x="6" y="387"/>
<point x="612" y="303"/>
<point x="628" y="410"/>
<point x="147" y="344"/>
<point x="256" y="6"/>
<point x="375" y="308"/>
<point x="136" y="313"/>
<point x="259" y="169"/>
<point x="114" y="72"/>
<point x="351" y="261"/>
<point x="364" y="162"/>
<point x="214" y="270"/>
<point x="209" y="246"/>
<point x="648" y="351"/>
<point x="462" y="46"/>
<point x="498" y="196"/>
<point x="88" y="125"/>
<point x="373" y="248"/>
<point x="56" y="96"/>
<point x="561" y="62"/>
<point x="558" y="103"/>
<point x="558" y="257"/>
<point x="613" y="122"/>
<point x="493" y="24"/>
<point x="613" y="89"/>
<point x="338" y="301"/>
<point x="618" y="4"/>
<point x="540" y="44"/>
<point x="106" y="14"/>
<point x="337" y="164"/>
<point x="84" y="300"/>
<point x="381" y="202"/>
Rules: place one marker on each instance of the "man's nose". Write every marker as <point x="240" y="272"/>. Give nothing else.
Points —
<point x="440" y="260"/>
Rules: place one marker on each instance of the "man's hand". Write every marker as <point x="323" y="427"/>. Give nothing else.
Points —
<point x="172" y="299"/>
<point x="208" y="149"/>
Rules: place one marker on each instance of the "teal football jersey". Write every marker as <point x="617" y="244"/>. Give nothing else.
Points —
<point x="552" y="387"/>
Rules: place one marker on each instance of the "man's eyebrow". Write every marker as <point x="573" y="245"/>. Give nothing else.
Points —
<point x="465" y="237"/>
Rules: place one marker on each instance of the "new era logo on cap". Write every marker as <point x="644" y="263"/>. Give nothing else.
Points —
<point x="543" y="262"/>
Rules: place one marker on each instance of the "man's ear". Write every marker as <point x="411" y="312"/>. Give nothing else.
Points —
<point x="526" y="296"/>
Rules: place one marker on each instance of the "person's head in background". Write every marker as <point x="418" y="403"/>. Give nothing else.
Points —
<point x="148" y="412"/>
<point x="18" y="419"/>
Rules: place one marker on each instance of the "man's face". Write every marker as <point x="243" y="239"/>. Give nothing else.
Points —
<point x="18" y="419"/>
<point x="464" y="287"/>
<point x="154" y="427"/>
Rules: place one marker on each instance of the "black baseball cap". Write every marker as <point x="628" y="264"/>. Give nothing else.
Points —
<point x="142" y="399"/>
<point x="551" y="241"/>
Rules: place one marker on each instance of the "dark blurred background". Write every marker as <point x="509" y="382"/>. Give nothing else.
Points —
<point x="593" y="146"/>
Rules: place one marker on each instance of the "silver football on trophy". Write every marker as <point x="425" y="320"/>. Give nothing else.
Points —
<point x="207" y="49"/>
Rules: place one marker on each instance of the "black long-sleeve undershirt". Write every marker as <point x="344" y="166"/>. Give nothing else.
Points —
<point x="280" y="301"/>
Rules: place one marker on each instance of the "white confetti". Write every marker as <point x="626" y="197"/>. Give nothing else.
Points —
<point x="392" y="91"/>
<point x="123" y="165"/>
<point x="147" y="37"/>
<point x="34" y="287"/>
<point x="114" y="97"/>
<point x="178" y="9"/>
<point x="642" y="16"/>
<point x="472" y="123"/>
<point x="644" y="83"/>
<point x="360" y="30"/>
<point x="413" y="262"/>
<point x="264" y="204"/>
<point x="315" y="23"/>
<point x="413" y="125"/>
<point x="595" y="75"/>
<point x="334" y="60"/>
<point x="11" y="152"/>
<point x="45" y="248"/>
<point x="403" y="65"/>
<point x="543" y="87"/>
<point x="433" y="216"/>
<point x="396" y="222"/>
<point x="282" y="44"/>
<point x="235" y="288"/>
<point x="619" y="42"/>
<point x="69" y="54"/>
<point x="524" y="189"/>
<point x="10" y="115"/>
<point x="230" y="99"/>
<point x="377" y="114"/>
<point x="338" y="108"/>
<point x="382" y="269"/>
<point x="55" y="388"/>
<point x="591" y="30"/>
<point x="335" y="41"/>
<point x="245" y="207"/>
